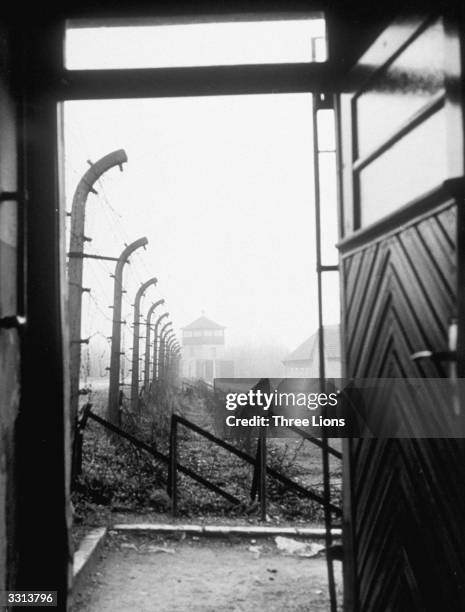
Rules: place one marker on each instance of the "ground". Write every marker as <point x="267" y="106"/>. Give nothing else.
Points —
<point x="121" y="484"/>
<point x="205" y="574"/>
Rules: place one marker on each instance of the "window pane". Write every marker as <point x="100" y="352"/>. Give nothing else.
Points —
<point x="389" y="101"/>
<point x="413" y="166"/>
<point x="198" y="44"/>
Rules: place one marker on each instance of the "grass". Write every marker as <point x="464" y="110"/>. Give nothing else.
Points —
<point x="117" y="477"/>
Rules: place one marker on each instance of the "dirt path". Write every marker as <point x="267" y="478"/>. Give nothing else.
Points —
<point x="203" y="575"/>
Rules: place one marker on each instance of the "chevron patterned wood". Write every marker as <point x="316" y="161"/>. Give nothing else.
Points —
<point x="407" y="496"/>
<point x="400" y="293"/>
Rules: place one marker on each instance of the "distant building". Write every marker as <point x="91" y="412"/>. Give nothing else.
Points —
<point x="304" y="361"/>
<point x="203" y="351"/>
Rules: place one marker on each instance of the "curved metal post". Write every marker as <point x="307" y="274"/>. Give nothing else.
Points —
<point x="113" y="394"/>
<point x="156" y="347"/>
<point x="135" y="343"/>
<point x="169" y="339"/>
<point x="165" y="337"/>
<point x="148" y="324"/>
<point x="75" y="267"/>
<point x="176" y="362"/>
<point x="170" y="358"/>
<point x="162" y="351"/>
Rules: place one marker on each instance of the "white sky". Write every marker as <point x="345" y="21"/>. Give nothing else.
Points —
<point x="223" y="189"/>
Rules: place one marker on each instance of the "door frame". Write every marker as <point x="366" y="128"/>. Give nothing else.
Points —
<point x="41" y="83"/>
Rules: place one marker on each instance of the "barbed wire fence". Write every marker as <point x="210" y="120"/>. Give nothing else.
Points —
<point x="105" y="226"/>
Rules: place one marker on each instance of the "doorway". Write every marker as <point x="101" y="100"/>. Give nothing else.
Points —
<point x="230" y="203"/>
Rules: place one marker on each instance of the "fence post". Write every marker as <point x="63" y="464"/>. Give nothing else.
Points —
<point x="172" y="466"/>
<point x="162" y="352"/>
<point x="76" y="466"/>
<point x="256" y="472"/>
<point x="135" y="344"/>
<point x="75" y="268"/>
<point x="76" y="463"/>
<point x="113" y="410"/>
<point x="156" y="347"/>
<point x="148" y="325"/>
<point x="262" y="464"/>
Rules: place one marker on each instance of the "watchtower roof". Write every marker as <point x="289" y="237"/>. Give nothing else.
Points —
<point x="203" y="323"/>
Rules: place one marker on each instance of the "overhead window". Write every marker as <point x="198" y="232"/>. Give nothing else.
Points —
<point x="115" y="44"/>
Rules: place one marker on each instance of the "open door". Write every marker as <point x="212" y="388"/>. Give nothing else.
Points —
<point x="401" y="135"/>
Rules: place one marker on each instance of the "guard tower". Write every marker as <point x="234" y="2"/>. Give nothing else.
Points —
<point x="203" y="349"/>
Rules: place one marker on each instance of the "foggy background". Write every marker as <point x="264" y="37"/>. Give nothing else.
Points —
<point x="223" y="189"/>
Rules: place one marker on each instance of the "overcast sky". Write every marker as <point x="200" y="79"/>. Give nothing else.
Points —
<point x="223" y="189"/>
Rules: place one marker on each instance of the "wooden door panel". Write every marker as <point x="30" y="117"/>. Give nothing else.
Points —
<point x="402" y="287"/>
<point x="407" y="528"/>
